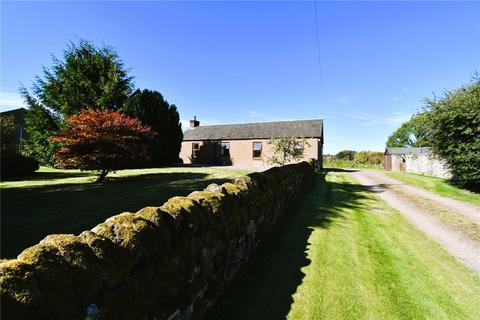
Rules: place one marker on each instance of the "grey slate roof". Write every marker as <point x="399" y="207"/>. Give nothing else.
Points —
<point x="258" y="130"/>
<point x="410" y="150"/>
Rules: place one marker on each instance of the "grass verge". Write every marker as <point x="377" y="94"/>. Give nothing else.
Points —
<point x="439" y="186"/>
<point x="455" y="219"/>
<point x="343" y="254"/>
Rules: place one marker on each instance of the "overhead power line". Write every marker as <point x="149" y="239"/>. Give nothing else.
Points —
<point x="319" y="57"/>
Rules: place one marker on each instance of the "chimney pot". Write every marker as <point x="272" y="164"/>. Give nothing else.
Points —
<point x="194" y="123"/>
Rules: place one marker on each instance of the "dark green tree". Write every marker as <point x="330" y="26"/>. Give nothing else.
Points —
<point x="153" y="110"/>
<point x="455" y="131"/>
<point x="41" y="124"/>
<point x="87" y="76"/>
<point x="413" y="133"/>
<point x="345" y="155"/>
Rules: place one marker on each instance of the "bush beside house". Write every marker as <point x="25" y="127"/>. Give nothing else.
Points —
<point x="13" y="163"/>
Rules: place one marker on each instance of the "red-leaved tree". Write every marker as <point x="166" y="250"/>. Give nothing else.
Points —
<point x="102" y="141"/>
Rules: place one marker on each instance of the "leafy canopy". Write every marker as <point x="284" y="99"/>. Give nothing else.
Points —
<point x="374" y="158"/>
<point x="286" y="150"/>
<point x="345" y="155"/>
<point x="354" y="159"/>
<point x="102" y="141"/>
<point x="455" y="131"/>
<point x="87" y="76"/>
<point x="41" y="124"/>
<point x="153" y="110"/>
<point x="413" y="133"/>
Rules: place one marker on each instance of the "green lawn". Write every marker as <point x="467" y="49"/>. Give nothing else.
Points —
<point x="439" y="186"/>
<point x="341" y="253"/>
<point x="67" y="201"/>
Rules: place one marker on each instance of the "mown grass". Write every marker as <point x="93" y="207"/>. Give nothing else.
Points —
<point x="67" y="201"/>
<point x="341" y="253"/>
<point x="439" y="186"/>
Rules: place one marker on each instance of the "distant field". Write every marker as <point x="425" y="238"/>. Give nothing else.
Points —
<point x="67" y="201"/>
<point x="439" y="186"/>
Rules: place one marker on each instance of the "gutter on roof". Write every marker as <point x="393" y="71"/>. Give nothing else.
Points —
<point x="238" y="139"/>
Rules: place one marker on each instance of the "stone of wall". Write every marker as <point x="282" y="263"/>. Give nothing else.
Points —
<point x="168" y="262"/>
<point x="424" y="163"/>
<point x="428" y="165"/>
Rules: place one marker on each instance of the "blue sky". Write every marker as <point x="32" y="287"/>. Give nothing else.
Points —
<point x="229" y="62"/>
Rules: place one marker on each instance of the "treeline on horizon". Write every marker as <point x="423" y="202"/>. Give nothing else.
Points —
<point x="350" y="158"/>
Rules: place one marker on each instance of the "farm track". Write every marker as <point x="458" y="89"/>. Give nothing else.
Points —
<point x="423" y="209"/>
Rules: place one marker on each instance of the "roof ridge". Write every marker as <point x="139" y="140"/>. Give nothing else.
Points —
<point x="259" y="122"/>
<point x="259" y="130"/>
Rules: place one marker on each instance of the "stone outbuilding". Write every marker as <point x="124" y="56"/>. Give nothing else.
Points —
<point x="247" y="144"/>
<point x="415" y="160"/>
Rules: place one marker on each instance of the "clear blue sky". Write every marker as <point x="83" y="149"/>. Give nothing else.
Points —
<point x="228" y="62"/>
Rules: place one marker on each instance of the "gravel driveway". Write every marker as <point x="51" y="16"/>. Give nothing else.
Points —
<point x="399" y="195"/>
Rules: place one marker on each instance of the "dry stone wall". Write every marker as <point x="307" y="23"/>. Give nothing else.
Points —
<point x="168" y="262"/>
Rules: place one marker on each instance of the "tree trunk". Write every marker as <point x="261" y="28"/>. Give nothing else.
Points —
<point x="101" y="176"/>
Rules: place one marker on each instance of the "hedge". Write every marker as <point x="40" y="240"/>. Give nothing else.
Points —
<point x="168" y="262"/>
<point x="16" y="165"/>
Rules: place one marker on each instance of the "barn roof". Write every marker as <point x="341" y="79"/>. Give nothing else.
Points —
<point x="409" y="150"/>
<point x="258" y="130"/>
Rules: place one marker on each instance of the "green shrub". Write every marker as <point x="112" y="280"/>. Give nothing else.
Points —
<point x="455" y="131"/>
<point x="352" y="159"/>
<point x="368" y="157"/>
<point x="17" y="165"/>
<point x="345" y="155"/>
<point x="412" y="133"/>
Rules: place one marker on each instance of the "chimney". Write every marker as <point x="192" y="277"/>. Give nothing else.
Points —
<point x="194" y="123"/>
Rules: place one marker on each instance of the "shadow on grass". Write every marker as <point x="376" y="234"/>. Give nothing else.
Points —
<point x="338" y="170"/>
<point x="264" y="287"/>
<point x="38" y="176"/>
<point x="28" y="214"/>
<point x="468" y="187"/>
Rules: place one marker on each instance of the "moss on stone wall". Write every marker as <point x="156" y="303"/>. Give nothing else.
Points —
<point x="168" y="262"/>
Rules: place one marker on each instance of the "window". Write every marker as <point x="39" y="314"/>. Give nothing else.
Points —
<point x="225" y="149"/>
<point x="257" y="150"/>
<point x="299" y="148"/>
<point x="195" y="148"/>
